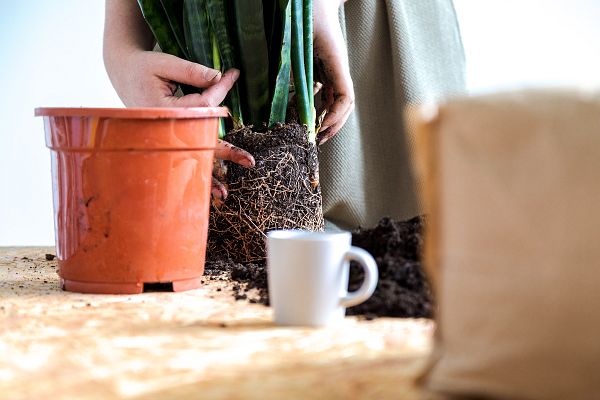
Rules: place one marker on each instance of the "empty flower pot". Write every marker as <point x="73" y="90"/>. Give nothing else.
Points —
<point x="131" y="192"/>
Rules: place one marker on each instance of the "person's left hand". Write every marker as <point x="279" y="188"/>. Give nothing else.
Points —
<point x="227" y="151"/>
<point x="331" y="69"/>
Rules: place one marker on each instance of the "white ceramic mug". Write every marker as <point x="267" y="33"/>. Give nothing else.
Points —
<point x="308" y="276"/>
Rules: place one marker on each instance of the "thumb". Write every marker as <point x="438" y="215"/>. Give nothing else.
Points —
<point x="186" y="72"/>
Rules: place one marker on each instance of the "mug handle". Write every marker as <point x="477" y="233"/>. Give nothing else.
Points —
<point x="371" y="275"/>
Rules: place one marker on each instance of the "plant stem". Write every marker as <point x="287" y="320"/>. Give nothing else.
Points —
<point x="282" y="84"/>
<point x="215" y="51"/>
<point x="217" y="65"/>
<point x="299" y="71"/>
<point x="308" y="65"/>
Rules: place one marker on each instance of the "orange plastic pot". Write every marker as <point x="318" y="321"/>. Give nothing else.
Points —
<point x="131" y="192"/>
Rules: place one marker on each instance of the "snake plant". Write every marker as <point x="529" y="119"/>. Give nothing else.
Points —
<point x="269" y="41"/>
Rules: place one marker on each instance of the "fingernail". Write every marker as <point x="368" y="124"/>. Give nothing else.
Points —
<point x="217" y="76"/>
<point x="235" y="73"/>
<point x="324" y="128"/>
<point x="248" y="162"/>
<point x="216" y="193"/>
<point x="323" y="136"/>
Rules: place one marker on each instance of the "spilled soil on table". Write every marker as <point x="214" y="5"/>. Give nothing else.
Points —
<point x="402" y="290"/>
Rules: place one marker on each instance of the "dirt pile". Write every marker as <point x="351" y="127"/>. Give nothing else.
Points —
<point x="402" y="290"/>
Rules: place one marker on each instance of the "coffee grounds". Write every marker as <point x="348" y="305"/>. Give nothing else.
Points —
<point x="402" y="289"/>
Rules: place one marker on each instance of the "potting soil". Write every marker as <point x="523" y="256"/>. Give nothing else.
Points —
<point x="282" y="191"/>
<point x="402" y="290"/>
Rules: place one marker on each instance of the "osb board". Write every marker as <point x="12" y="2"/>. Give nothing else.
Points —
<point x="196" y="344"/>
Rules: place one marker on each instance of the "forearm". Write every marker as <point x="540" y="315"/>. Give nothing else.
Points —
<point x="124" y="27"/>
<point x="326" y="14"/>
<point x="332" y="68"/>
<point x="332" y="4"/>
<point x="125" y="31"/>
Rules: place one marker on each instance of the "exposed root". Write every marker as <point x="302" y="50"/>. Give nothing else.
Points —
<point x="281" y="192"/>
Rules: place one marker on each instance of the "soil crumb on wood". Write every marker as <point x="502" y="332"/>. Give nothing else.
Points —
<point x="402" y="290"/>
<point x="250" y="280"/>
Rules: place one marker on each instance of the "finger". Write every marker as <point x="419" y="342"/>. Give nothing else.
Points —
<point x="187" y="72"/>
<point x="317" y="88"/>
<point x="330" y="132"/>
<point x="333" y="60"/>
<point x="326" y="100"/>
<point x="339" y="110"/>
<point x="227" y="151"/>
<point x="219" y="170"/>
<point x="218" y="191"/>
<point x="211" y="97"/>
<point x="215" y="94"/>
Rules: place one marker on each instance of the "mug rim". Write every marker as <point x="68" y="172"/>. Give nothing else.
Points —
<point x="304" y="235"/>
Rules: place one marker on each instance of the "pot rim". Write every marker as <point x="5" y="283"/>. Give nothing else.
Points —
<point x="134" y="112"/>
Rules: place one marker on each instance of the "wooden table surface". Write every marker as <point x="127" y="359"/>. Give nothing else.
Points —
<point x="197" y="344"/>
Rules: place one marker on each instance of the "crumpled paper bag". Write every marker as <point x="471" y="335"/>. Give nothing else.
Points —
<point x="511" y="183"/>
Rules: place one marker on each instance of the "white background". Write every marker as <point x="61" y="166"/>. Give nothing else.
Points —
<point x="52" y="56"/>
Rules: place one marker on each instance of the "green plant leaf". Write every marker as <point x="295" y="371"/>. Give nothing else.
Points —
<point x="273" y="14"/>
<point x="254" y="58"/>
<point x="218" y="21"/>
<point x="197" y="34"/>
<point x="157" y="20"/>
<point x="298" y="68"/>
<point x="308" y="65"/>
<point x="174" y="13"/>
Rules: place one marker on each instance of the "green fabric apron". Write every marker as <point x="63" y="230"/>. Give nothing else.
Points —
<point x="401" y="52"/>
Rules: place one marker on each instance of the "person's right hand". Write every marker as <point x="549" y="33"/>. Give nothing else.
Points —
<point x="226" y="151"/>
<point x="149" y="79"/>
<point x="144" y="78"/>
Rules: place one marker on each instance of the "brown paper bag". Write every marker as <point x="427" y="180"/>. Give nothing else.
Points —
<point x="512" y="188"/>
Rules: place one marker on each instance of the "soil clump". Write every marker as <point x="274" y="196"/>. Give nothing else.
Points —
<point x="281" y="192"/>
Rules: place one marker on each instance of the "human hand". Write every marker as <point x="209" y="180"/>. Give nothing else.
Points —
<point x="331" y="69"/>
<point x="143" y="78"/>
<point x="226" y="151"/>
<point x="154" y="85"/>
<point x="150" y="79"/>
